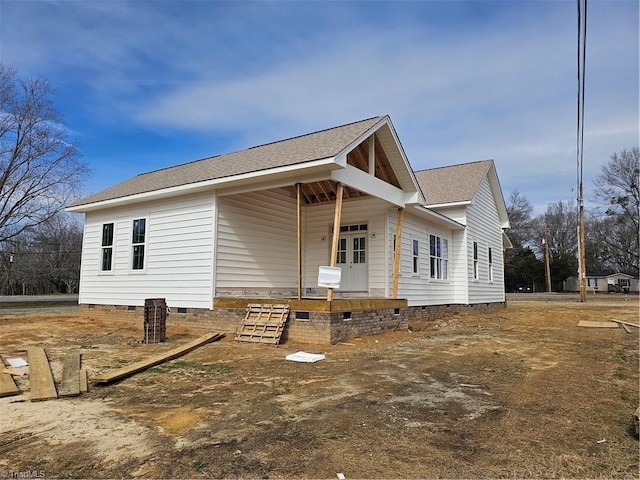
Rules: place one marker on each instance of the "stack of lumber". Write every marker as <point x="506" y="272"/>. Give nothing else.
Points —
<point x="263" y="323"/>
<point x="75" y="379"/>
<point x="41" y="383"/>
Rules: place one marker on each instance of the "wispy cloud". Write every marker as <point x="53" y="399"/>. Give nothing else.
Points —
<point x="462" y="81"/>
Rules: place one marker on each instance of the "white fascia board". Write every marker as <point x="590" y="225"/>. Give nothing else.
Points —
<point x="501" y="206"/>
<point x="413" y="198"/>
<point x="439" y="219"/>
<point x="247" y="178"/>
<point x="506" y="241"/>
<point x="369" y="184"/>
<point x="464" y="203"/>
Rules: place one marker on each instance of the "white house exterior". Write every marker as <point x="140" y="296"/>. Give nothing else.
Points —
<point x="258" y="224"/>
<point x="600" y="283"/>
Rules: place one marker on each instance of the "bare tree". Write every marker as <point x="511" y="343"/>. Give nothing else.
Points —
<point x="40" y="170"/>
<point x="561" y="221"/>
<point x="618" y="190"/>
<point x="44" y="259"/>
<point x="519" y="210"/>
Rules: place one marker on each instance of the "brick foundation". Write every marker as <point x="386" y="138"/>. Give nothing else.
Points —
<point x="323" y="326"/>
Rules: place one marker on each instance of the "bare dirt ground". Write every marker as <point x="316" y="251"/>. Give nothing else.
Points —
<point x="519" y="392"/>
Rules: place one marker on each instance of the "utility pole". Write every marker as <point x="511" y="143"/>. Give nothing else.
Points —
<point x="547" y="270"/>
<point x="582" y="259"/>
<point x="582" y="54"/>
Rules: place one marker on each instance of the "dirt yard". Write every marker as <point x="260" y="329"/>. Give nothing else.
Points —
<point x="520" y="392"/>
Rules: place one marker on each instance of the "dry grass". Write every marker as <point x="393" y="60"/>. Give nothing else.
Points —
<point x="516" y="393"/>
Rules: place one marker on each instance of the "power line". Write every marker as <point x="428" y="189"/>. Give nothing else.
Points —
<point x="582" y="55"/>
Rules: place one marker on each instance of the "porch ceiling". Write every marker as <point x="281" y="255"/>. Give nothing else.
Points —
<point x="325" y="191"/>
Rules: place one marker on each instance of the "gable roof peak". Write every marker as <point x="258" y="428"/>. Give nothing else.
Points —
<point x="453" y="183"/>
<point x="487" y="162"/>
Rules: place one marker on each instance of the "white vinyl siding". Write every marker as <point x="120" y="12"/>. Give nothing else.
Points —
<point x="178" y="254"/>
<point x="483" y="226"/>
<point x="256" y="243"/>
<point x="418" y="288"/>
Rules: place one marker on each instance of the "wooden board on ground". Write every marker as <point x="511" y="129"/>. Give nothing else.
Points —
<point x="84" y="380"/>
<point x="591" y="324"/>
<point x="16" y="372"/>
<point x="8" y="385"/>
<point x="626" y="323"/>
<point x="70" y="384"/>
<point x="263" y="323"/>
<point x="41" y="382"/>
<point x="129" y="370"/>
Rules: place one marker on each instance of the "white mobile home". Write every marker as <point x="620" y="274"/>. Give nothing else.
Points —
<point x="257" y="225"/>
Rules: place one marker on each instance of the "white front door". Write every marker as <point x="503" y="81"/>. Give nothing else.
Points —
<point x="352" y="258"/>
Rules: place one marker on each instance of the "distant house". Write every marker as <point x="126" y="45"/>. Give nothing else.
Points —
<point x="256" y="226"/>
<point x="601" y="283"/>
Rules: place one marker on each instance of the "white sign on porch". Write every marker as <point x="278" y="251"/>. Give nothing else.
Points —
<point x="329" y="277"/>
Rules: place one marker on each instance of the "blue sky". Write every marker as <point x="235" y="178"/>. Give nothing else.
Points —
<point x="147" y="84"/>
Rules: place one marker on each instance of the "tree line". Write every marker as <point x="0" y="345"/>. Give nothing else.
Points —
<point x="611" y="230"/>
<point x="41" y="172"/>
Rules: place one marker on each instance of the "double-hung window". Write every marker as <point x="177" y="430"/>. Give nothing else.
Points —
<point x="438" y="257"/>
<point x="475" y="261"/>
<point x="138" y="243"/>
<point x="415" y="257"/>
<point x="107" y="247"/>
<point x="490" y="254"/>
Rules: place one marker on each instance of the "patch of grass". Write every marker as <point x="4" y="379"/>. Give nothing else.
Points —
<point x="620" y="355"/>
<point x="199" y="465"/>
<point x="193" y="367"/>
<point x="146" y="381"/>
<point x="620" y="374"/>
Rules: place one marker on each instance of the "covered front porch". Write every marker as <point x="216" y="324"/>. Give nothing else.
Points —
<point x="339" y="216"/>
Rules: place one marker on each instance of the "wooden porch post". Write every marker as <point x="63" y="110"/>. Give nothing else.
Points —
<point x="336" y="234"/>
<point x="396" y="253"/>
<point x="299" y="229"/>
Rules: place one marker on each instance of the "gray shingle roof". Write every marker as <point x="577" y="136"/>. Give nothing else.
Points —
<point x="456" y="183"/>
<point x="305" y="148"/>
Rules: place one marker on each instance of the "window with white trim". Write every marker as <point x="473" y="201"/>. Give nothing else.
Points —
<point x="138" y="243"/>
<point x="415" y="257"/>
<point x="490" y="254"/>
<point x="475" y="261"/>
<point x="438" y="257"/>
<point x="107" y="247"/>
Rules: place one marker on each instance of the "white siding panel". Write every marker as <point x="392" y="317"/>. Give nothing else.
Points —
<point x="178" y="255"/>
<point x="257" y="241"/>
<point x="484" y="228"/>
<point x="419" y="289"/>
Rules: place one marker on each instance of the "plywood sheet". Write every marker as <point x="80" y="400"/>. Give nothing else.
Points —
<point x="70" y="384"/>
<point x="41" y="382"/>
<point x="592" y="324"/>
